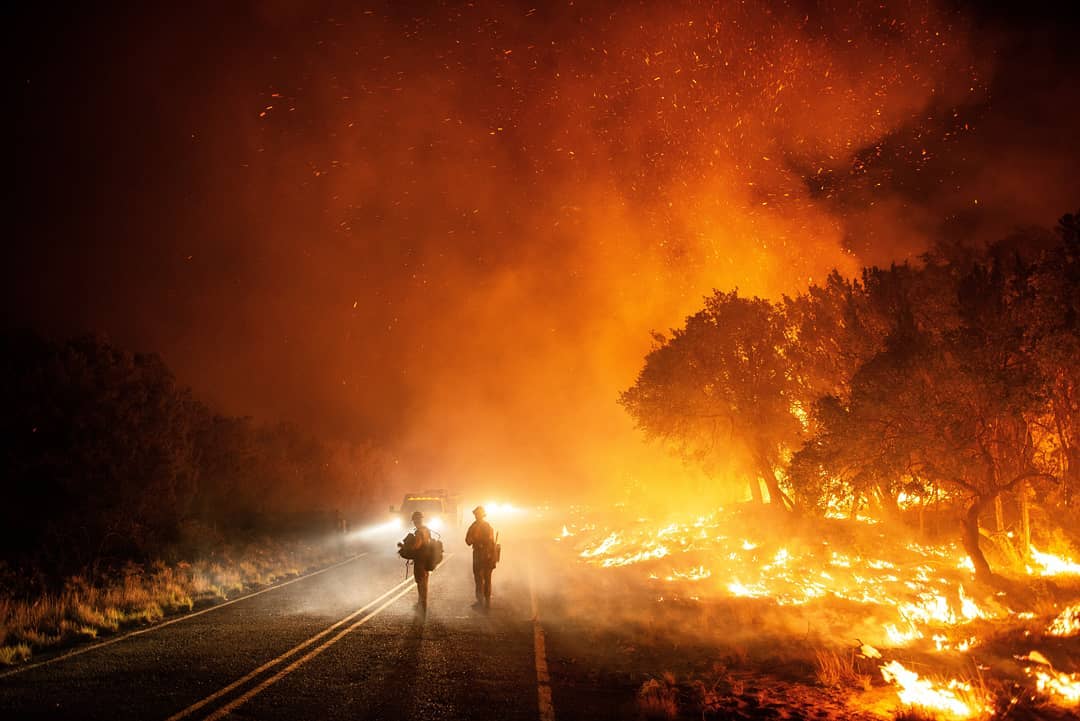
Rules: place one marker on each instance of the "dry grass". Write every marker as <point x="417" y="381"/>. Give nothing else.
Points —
<point x="658" y="699"/>
<point x="141" y="595"/>
<point x="11" y="655"/>
<point x="915" y="714"/>
<point x="837" y="669"/>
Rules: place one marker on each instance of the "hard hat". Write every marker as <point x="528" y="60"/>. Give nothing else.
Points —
<point x="417" y="516"/>
<point x="479" y="511"/>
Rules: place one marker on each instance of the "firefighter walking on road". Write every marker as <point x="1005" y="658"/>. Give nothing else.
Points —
<point x="481" y="536"/>
<point x="421" y="539"/>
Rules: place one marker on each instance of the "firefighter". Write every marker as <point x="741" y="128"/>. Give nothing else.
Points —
<point x="421" y="540"/>
<point x="481" y="536"/>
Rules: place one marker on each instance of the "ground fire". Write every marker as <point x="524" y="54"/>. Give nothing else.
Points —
<point x="910" y="611"/>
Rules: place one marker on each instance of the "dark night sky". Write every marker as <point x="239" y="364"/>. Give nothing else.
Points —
<point x="452" y="227"/>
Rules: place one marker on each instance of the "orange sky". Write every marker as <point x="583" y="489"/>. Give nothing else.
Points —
<point x="453" y="229"/>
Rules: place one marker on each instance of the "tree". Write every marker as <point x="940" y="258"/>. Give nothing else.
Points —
<point x="98" y="453"/>
<point x="1052" y="322"/>
<point x="949" y="398"/>
<point x="721" y="386"/>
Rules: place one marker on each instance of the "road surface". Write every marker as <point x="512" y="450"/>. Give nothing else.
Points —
<point x="343" y="643"/>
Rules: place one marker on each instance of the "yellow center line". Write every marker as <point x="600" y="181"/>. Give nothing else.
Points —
<point x="240" y="701"/>
<point x="393" y="594"/>
<point x="299" y="647"/>
<point x="543" y="678"/>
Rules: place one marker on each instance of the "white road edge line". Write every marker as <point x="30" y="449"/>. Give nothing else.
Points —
<point x="185" y="617"/>
<point x="273" y="662"/>
<point x="252" y="693"/>
<point x="543" y="678"/>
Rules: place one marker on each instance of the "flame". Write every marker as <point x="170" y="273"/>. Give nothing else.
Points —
<point x="694" y="574"/>
<point x="1067" y="623"/>
<point x="1063" y="687"/>
<point x="898" y="637"/>
<point x="932" y="608"/>
<point x="943" y="643"/>
<point x="606" y="545"/>
<point x="968" y="608"/>
<point x="1052" y="565"/>
<point x="787" y="575"/>
<point x="656" y="552"/>
<point x="918" y="591"/>
<point x="738" y="589"/>
<point x="955" y="698"/>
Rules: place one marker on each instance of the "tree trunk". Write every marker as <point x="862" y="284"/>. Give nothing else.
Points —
<point x="999" y="515"/>
<point x="888" y="501"/>
<point x="755" y="489"/>
<point x="971" y="540"/>
<point x="1025" y="521"/>
<point x="776" y="496"/>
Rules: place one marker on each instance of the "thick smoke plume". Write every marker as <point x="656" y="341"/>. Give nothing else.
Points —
<point x="452" y="228"/>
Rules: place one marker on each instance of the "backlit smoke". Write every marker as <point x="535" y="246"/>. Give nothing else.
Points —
<point x="521" y="202"/>
<point x="451" y="229"/>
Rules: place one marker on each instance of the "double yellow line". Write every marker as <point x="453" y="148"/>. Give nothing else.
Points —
<point x="366" y="613"/>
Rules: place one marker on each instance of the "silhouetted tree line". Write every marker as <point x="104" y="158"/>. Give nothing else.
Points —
<point x="105" y="458"/>
<point x="953" y="382"/>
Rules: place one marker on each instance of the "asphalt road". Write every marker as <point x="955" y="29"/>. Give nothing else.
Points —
<point x="344" y="643"/>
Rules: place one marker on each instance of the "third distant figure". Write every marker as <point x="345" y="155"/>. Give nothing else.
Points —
<point x="485" y="554"/>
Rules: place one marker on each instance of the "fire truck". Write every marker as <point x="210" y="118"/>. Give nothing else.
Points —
<point x="441" y="509"/>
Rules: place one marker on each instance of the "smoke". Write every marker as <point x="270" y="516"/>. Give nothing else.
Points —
<point x="452" y="228"/>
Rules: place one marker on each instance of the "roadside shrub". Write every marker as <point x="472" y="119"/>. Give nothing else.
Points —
<point x="658" y="699"/>
<point x="11" y="655"/>
<point x="85" y="609"/>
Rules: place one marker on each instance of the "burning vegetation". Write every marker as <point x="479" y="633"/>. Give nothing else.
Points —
<point x="440" y="234"/>
<point x="907" y="446"/>
<point x="869" y="604"/>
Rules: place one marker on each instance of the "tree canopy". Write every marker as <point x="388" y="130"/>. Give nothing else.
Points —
<point x="954" y="378"/>
<point x="107" y="458"/>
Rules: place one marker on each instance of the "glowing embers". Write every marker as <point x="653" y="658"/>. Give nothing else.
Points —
<point x="1067" y="623"/>
<point x="738" y="589"/>
<point x="1061" y="688"/>
<point x="932" y="608"/>
<point x="954" y="699"/>
<point x="840" y="509"/>
<point x="1047" y="564"/>
<point x="699" y="573"/>
<point x="943" y="643"/>
<point x="605" y="553"/>
<point x="910" y="581"/>
<point x="638" y="557"/>
<point x="902" y="636"/>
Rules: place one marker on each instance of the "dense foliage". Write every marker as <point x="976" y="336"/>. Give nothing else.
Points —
<point x="951" y="382"/>
<point x="106" y="458"/>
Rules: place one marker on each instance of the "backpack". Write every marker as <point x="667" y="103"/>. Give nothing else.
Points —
<point x="434" y="553"/>
<point x="406" y="548"/>
<point x="431" y="553"/>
